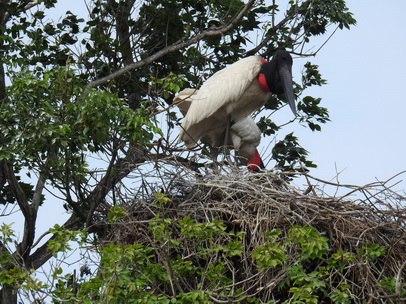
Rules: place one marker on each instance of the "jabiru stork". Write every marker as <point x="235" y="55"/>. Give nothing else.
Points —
<point x="244" y="133"/>
<point x="233" y="93"/>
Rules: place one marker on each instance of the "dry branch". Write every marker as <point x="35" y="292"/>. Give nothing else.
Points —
<point x="256" y="203"/>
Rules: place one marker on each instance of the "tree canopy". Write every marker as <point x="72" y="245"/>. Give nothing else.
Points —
<point x="86" y="112"/>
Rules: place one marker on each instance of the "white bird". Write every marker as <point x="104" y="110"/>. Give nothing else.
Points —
<point x="244" y="133"/>
<point x="232" y="94"/>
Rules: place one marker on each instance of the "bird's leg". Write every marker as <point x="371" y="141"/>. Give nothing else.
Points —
<point x="225" y="146"/>
<point x="214" y="153"/>
<point x="237" y="158"/>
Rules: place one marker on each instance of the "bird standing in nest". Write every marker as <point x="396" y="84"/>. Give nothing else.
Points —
<point x="229" y="97"/>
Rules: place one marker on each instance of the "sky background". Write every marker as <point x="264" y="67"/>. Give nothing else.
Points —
<point x="365" y="69"/>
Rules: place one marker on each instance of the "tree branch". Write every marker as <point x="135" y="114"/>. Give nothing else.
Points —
<point x="115" y="173"/>
<point x="24" y="6"/>
<point x="31" y="4"/>
<point x="268" y="36"/>
<point x="23" y="248"/>
<point x="43" y="254"/>
<point x="174" y="47"/>
<point x="18" y="192"/>
<point x="29" y="211"/>
<point x="36" y="199"/>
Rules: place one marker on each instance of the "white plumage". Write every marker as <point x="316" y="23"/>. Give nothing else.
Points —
<point x="219" y="111"/>
<point x="244" y="134"/>
<point x="233" y="91"/>
<point x="246" y="137"/>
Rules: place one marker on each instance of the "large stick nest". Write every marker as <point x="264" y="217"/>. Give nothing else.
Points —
<point x="256" y="203"/>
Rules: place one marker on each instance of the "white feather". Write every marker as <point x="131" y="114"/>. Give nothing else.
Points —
<point x="183" y="100"/>
<point x="245" y="135"/>
<point x="214" y="128"/>
<point x="233" y="91"/>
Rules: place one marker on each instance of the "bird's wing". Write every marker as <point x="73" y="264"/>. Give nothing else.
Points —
<point x="183" y="100"/>
<point x="213" y="135"/>
<point x="217" y="93"/>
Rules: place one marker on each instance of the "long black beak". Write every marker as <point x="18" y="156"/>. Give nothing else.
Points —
<point x="286" y="77"/>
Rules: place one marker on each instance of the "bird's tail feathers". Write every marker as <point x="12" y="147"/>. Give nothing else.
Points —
<point x="183" y="99"/>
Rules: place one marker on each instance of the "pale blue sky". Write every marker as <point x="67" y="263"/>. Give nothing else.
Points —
<point x="365" y="69"/>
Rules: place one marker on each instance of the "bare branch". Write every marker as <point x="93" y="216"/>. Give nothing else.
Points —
<point x="174" y="47"/>
<point x="268" y="36"/>
<point x="32" y="4"/>
<point x="115" y="173"/>
<point x="43" y="254"/>
<point x="18" y="192"/>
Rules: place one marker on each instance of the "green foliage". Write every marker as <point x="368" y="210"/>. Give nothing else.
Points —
<point x="37" y="41"/>
<point x="61" y="242"/>
<point x="7" y="196"/>
<point x="47" y="120"/>
<point x="7" y="233"/>
<point x="270" y="254"/>
<point x="20" y="277"/>
<point x="162" y="199"/>
<point x="311" y="75"/>
<point x="372" y="251"/>
<point x="152" y="272"/>
<point x="122" y="274"/>
<point x="315" y="113"/>
<point x="116" y="213"/>
<point x="289" y="155"/>
<point x="170" y="85"/>
<point x="323" y="13"/>
<point x="202" y="231"/>
<point x="340" y="259"/>
<point x="305" y="285"/>
<point x="130" y="273"/>
<point x="341" y="295"/>
<point x="47" y="115"/>
<point x="389" y="285"/>
<point x="313" y="245"/>
<point x="160" y="228"/>
<point x="10" y="271"/>
<point x="267" y="126"/>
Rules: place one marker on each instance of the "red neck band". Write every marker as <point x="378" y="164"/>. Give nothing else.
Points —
<point x="262" y="79"/>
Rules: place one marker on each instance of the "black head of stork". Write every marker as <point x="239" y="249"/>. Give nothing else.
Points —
<point x="278" y="75"/>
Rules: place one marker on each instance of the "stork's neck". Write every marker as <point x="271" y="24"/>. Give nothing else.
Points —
<point x="262" y="80"/>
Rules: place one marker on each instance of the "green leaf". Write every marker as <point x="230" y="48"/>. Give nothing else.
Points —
<point x="116" y="213"/>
